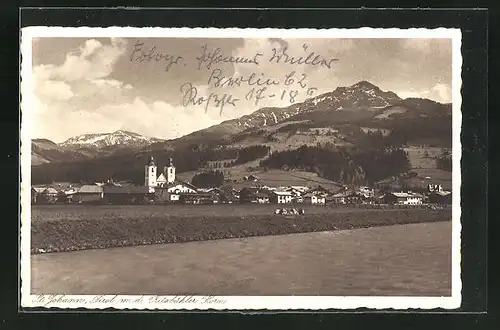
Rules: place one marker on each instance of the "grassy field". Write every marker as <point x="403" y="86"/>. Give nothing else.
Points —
<point x="423" y="157"/>
<point x="406" y="260"/>
<point x="43" y="213"/>
<point x="57" y="229"/>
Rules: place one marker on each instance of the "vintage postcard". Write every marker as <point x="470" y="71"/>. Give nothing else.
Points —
<point x="240" y="169"/>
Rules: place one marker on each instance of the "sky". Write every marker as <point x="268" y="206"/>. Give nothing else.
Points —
<point x="147" y="86"/>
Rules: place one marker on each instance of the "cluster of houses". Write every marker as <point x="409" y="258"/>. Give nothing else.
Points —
<point x="165" y="188"/>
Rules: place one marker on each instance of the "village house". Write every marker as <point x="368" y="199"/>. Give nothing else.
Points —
<point x="367" y="192"/>
<point x="297" y="191"/>
<point x="178" y="188"/>
<point x="280" y="197"/>
<point x="67" y="195"/>
<point x="231" y="196"/>
<point x="49" y="195"/>
<point x="250" y="177"/>
<point x="199" y="198"/>
<point x="315" y="198"/>
<point x="218" y="195"/>
<point x="434" y="187"/>
<point x="36" y="193"/>
<point x="351" y="197"/>
<point x="338" y="198"/>
<point x="441" y="197"/>
<point x="403" y="198"/>
<point x="253" y="195"/>
<point x="89" y="194"/>
<point x="268" y="188"/>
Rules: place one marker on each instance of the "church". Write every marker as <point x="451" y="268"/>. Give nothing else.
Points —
<point x="152" y="179"/>
<point x="165" y="182"/>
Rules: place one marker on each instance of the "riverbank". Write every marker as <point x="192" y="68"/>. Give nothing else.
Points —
<point x="406" y="260"/>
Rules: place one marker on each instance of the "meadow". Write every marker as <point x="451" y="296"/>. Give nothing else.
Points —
<point x="71" y="228"/>
<point x="41" y="213"/>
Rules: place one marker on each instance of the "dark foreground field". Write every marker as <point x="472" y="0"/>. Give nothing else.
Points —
<point x="119" y="227"/>
<point x="406" y="260"/>
<point x="42" y="213"/>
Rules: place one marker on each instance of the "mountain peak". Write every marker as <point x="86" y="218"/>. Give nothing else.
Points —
<point x="364" y="84"/>
<point x="119" y="138"/>
<point x="124" y="132"/>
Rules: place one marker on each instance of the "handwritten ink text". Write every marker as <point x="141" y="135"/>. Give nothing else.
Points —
<point x="140" y="54"/>
<point x="282" y="55"/>
<point x="190" y="97"/>
<point x="207" y="58"/>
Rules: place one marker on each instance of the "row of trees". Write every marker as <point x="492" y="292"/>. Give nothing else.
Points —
<point x="348" y="166"/>
<point x="248" y="154"/>
<point x="211" y="179"/>
<point x="437" y="129"/>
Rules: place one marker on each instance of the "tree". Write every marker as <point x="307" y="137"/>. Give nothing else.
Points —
<point x="212" y="179"/>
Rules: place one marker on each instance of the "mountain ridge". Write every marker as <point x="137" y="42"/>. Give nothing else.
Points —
<point x="118" y="137"/>
<point x="363" y="104"/>
<point x="87" y="146"/>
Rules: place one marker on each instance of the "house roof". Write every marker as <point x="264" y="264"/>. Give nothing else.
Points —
<point x="315" y="193"/>
<point x="282" y="193"/>
<point x="111" y="184"/>
<point x="50" y="190"/>
<point x="405" y="194"/>
<point x="71" y="191"/>
<point x="178" y="182"/>
<point x="400" y="194"/>
<point x="90" y="189"/>
<point x="38" y="190"/>
<point x="299" y="188"/>
<point x="442" y="193"/>
<point x="161" y="177"/>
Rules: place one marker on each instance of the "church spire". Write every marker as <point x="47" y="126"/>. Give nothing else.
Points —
<point x="169" y="171"/>
<point x="151" y="161"/>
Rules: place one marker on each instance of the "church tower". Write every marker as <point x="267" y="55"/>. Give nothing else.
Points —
<point x="150" y="173"/>
<point x="169" y="171"/>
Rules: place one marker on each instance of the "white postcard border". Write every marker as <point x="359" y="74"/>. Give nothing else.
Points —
<point x="233" y="302"/>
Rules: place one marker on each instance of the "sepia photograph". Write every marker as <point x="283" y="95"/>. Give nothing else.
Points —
<point x="240" y="168"/>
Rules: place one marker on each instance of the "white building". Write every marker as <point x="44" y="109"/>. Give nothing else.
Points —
<point x="315" y="198"/>
<point x="282" y="197"/>
<point x="403" y="198"/>
<point x="151" y="177"/>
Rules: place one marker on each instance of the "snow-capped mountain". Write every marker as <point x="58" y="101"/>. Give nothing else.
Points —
<point x="45" y="151"/>
<point x="118" y="138"/>
<point x="362" y="95"/>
